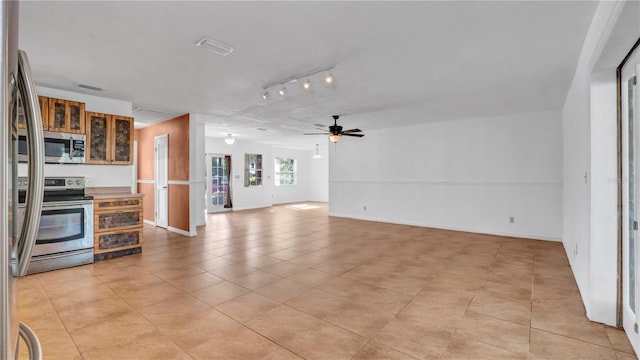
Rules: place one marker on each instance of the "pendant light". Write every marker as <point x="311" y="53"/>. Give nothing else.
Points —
<point x="229" y="139"/>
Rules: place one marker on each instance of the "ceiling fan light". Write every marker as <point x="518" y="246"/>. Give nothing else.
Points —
<point x="229" y="139"/>
<point x="335" y="138"/>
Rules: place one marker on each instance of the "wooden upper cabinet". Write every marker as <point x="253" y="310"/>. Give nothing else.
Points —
<point x="44" y="113"/>
<point x="109" y="139"/>
<point x="98" y="138"/>
<point x="122" y="134"/>
<point x="66" y="116"/>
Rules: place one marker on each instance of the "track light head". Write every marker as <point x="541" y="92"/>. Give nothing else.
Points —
<point x="265" y="96"/>
<point x="329" y="79"/>
<point x="282" y="91"/>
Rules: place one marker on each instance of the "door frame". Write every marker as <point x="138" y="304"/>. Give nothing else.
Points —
<point x="208" y="176"/>
<point x="157" y="187"/>
<point x="623" y="194"/>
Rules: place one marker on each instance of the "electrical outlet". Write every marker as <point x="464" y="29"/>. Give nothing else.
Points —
<point x="512" y="219"/>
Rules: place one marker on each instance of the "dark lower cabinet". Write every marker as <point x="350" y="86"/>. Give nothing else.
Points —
<point x="117" y="227"/>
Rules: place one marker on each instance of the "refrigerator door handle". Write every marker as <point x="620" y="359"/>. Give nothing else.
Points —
<point x="30" y="338"/>
<point x="35" y="140"/>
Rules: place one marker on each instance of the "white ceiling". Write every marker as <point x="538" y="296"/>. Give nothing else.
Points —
<point x="396" y="63"/>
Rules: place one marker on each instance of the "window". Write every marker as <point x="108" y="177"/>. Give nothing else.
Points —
<point x="285" y="171"/>
<point x="252" y="169"/>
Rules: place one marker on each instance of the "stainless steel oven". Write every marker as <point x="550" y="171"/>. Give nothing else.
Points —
<point x="65" y="234"/>
<point x="59" y="148"/>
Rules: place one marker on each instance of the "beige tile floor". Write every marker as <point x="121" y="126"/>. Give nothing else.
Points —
<point x="286" y="283"/>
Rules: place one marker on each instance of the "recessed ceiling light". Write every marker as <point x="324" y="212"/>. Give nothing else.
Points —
<point x="215" y="46"/>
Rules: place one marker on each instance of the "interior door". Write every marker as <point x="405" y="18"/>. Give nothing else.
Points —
<point x="162" y="180"/>
<point x="631" y="196"/>
<point x="218" y="191"/>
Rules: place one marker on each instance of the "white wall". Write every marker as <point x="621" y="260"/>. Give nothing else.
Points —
<point x="590" y="171"/>
<point x="97" y="175"/>
<point x="312" y="174"/>
<point x="300" y="191"/>
<point x="246" y="197"/>
<point x="197" y="180"/>
<point x="470" y="175"/>
<point x="319" y="174"/>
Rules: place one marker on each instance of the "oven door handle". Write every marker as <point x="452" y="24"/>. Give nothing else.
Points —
<point x="64" y="206"/>
<point x="35" y="188"/>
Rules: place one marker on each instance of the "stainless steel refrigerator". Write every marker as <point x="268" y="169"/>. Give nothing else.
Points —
<point x="19" y="100"/>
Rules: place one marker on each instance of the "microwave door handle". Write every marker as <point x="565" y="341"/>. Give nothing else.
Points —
<point x="35" y="145"/>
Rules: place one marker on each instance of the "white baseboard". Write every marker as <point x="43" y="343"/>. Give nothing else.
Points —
<point x="453" y="228"/>
<point x="149" y="222"/>
<point x="179" y="231"/>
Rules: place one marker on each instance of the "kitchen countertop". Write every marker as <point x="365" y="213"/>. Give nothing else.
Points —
<point x="115" y="195"/>
<point x="99" y="193"/>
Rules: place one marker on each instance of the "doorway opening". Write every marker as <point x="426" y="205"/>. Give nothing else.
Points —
<point x="218" y="192"/>
<point x="161" y="143"/>
<point x="629" y="194"/>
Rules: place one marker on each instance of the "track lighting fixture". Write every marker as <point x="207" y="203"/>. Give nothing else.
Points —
<point x="306" y="85"/>
<point x="229" y="139"/>
<point x="329" y="79"/>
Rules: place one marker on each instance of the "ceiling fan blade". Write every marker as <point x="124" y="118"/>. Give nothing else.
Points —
<point x="321" y="128"/>
<point x="316" y="134"/>
<point x="356" y="135"/>
<point x="351" y="131"/>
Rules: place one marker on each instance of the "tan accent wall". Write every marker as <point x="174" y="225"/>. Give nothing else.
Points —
<point x="178" y="168"/>
<point x="149" y="205"/>
<point x="179" y="206"/>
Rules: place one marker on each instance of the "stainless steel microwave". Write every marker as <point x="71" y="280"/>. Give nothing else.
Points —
<point x="59" y="148"/>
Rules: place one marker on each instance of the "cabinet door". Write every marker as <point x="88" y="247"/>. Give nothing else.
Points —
<point x="44" y="111"/>
<point x="66" y="116"/>
<point x="98" y="138"/>
<point x="76" y="114"/>
<point x="122" y="134"/>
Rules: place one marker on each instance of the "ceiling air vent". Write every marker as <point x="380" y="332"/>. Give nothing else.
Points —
<point x="89" y="87"/>
<point x="214" y="46"/>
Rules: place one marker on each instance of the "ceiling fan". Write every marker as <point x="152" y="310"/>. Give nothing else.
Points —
<point x="336" y="133"/>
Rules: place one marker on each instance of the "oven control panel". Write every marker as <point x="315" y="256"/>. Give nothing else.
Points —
<point x="56" y="183"/>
